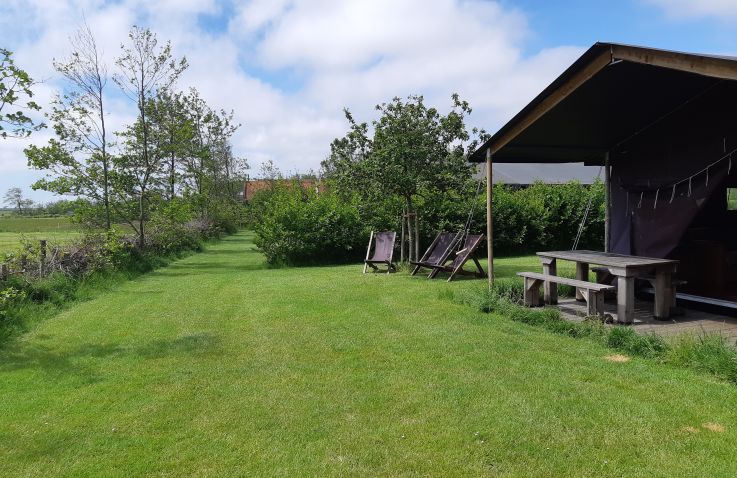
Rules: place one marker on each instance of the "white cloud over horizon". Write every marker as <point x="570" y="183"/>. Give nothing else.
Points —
<point x="329" y="54"/>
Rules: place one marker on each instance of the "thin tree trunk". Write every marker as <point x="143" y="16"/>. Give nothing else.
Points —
<point x="410" y="230"/>
<point x="417" y="237"/>
<point x="403" y="219"/>
<point x="141" y="220"/>
<point x="105" y="168"/>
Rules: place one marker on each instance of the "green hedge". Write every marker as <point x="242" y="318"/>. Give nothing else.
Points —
<point x="297" y="226"/>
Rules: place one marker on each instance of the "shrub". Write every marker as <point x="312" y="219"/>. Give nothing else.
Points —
<point x="303" y="227"/>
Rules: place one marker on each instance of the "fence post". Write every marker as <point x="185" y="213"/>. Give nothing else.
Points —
<point x="3" y="271"/>
<point x="42" y="256"/>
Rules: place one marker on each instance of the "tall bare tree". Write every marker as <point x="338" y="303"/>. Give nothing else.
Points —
<point x="79" y="122"/>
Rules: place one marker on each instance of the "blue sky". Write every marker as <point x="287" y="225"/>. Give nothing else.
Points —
<point x="288" y="67"/>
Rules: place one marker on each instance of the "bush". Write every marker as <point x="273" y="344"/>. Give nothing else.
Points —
<point x="303" y="227"/>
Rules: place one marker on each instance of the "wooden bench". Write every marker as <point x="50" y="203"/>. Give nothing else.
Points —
<point x="591" y="292"/>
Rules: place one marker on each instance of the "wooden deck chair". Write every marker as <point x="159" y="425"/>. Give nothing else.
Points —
<point x="438" y="252"/>
<point x="456" y="267"/>
<point x="383" y="251"/>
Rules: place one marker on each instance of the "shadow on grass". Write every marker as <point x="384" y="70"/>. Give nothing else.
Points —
<point x="75" y="361"/>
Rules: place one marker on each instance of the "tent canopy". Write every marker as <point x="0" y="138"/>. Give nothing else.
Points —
<point x="665" y="122"/>
<point x="608" y="96"/>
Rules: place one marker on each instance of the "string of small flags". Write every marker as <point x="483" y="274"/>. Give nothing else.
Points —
<point x="727" y="156"/>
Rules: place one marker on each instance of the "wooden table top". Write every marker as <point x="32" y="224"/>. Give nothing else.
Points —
<point x="607" y="258"/>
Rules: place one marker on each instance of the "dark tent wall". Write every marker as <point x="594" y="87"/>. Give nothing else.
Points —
<point x="691" y="222"/>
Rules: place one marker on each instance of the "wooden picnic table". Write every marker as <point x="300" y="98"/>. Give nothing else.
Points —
<point x="626" y="269"/>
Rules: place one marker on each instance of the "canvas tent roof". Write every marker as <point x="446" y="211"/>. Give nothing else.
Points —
<point x="609" y="95"/>
<point x="664" y="123"/>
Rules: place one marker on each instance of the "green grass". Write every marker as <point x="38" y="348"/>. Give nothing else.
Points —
<point x="14" y="228"/>
<point x="218" y="366"/>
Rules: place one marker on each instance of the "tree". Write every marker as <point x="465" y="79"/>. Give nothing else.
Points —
<point x="79" y="160"/>
<point x="414" y="150"/>
<point x="172" y="135"/>
<point x="15" y="92"/>
<point x="144" y="69"/>
<point x="14" y="198"/>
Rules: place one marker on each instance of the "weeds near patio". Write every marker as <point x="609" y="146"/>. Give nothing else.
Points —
<point x="708" y="353"/>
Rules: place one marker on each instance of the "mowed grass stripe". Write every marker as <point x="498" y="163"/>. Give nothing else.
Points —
<point x="219" y="366"/>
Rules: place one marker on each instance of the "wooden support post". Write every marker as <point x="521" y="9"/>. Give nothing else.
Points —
<point x="582" y="273"/>
<point x="550" y="289"/>
<point x="625" y="299"/>
<point x="368" y="252"/>
<point x="594" y="302"/>
<point x="663" y="294"/>
<point x="489" y="217"/>
<point x="4" y="272"/>
<point x="532" y="292"/>
<point x="607" y="202"/>
<point x="42" y="256"/>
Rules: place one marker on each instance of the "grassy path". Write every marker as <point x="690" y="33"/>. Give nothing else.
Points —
<point x="216" y="366"/>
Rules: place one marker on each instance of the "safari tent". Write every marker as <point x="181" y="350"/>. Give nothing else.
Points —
<point x="663" y="127"/>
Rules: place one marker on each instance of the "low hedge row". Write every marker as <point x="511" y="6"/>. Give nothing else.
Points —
<point x="299" y="226"/>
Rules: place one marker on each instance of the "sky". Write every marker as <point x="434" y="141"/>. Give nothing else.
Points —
<point x="288" y="67"/>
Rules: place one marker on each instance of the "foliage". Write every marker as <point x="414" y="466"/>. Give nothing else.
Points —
<point x="9" y="296"/>
<point x="14" y="198"/>
<point x="414" y="151"/>
<point x="16" y="92"/>
<point x="299" y="226"/>
<point x="176" y="154"/>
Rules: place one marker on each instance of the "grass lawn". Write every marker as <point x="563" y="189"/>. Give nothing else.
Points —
<point x="55" y="229"/>
<point x="217" y="366"/>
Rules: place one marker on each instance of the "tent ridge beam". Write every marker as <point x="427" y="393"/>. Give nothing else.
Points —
<point x="700" y="65"/>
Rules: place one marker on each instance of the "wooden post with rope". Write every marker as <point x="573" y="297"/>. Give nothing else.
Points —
<point x="489" y="218"/>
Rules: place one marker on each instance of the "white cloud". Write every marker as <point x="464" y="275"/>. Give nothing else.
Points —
<point x="332" y="53"/>
<point x="685" y="9"/>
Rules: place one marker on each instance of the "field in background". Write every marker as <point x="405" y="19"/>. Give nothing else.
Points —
<point x="53" y="229"/>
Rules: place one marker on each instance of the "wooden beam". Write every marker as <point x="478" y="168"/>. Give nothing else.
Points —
<point x="489" y="217"/>
<point x="698" y="64"/>
<point x="561" y="93"/>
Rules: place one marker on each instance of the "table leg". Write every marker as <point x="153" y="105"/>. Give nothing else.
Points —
<point x="625" y="299"/>
<point x="582" y="273"/>
<point x="663" y="294"/>
<point x="550" y="290"/>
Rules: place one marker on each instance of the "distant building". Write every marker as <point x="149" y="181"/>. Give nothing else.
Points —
<point x="252" y="186"/>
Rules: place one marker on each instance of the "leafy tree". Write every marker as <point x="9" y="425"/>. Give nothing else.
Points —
<point x="145" y="68"/>
<point x="414" y="150"/>
<point x="78" y="162"/>
<point x="172" y="135"/>
<point x="14" y="198"/>
<point x="15" y="92"/>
